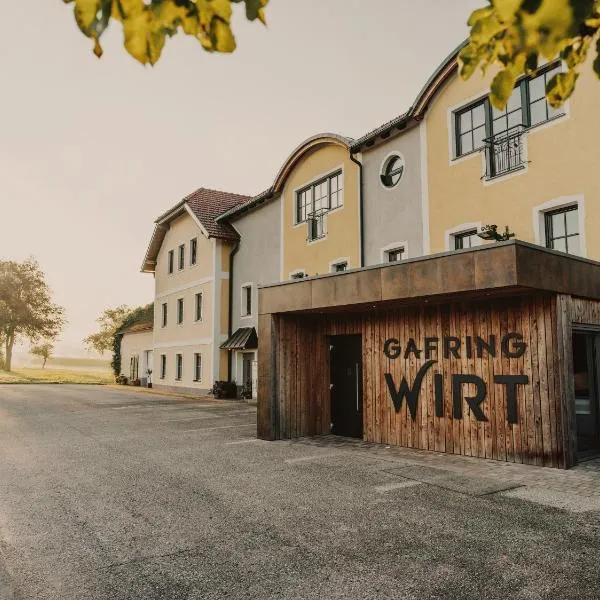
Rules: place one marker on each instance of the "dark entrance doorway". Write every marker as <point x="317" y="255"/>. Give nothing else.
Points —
<point x="586" y="352"/>
<point x="345" y="353"/>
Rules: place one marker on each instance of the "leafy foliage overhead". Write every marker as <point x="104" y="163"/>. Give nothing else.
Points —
<point x="518" y="35"/>
<point x="147" y="23"/>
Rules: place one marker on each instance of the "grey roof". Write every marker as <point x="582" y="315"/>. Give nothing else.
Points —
<point x="244" y="338"/>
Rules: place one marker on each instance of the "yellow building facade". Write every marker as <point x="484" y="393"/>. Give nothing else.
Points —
<point x="320" y="208"/>
<point x="530" y="168"/>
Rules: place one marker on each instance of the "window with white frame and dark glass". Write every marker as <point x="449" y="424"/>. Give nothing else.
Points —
<point x="465" y="239"/>
<point x="163" y="366"/>
<point x="562" y="230"/>
<point x="247" y="300"/>
<point x="165" y="314"/>
<point x="181" y="264"/>
<point x="298" y="275"/>
<point x="198" y="315"/>
<point x="193" y="251"/>
<point x="180" y="310"/>
<point x="197" y="366"/>
<point x="339" y="267"/>
<point x="481" y="125"/>
<point x="178" y="366"/>
<point x="171" y="260"/>
<point x="316" y="200"/>
<point x="395" y="255"/>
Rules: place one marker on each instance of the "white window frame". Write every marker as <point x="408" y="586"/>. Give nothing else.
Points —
<point x="198" y="379"/>
<point x="339" y="261"/>
<point x="180" y="302"/>
<point x="170" y="268"/>
<point x="178" y="371"/>
<point x="192" y="241"/>
<point x="539" y="219"/>
<point x="450" y="234"/>
<point x="384" y="165"/>
<point x="392" y="248"/>
<point x="180" y="256"/>
<point x="196" y="317"/>
<point x="243" y="288"/>
<point x="164" y="314"/>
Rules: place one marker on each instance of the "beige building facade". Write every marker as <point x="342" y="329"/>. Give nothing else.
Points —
<point x="189" y="257"/>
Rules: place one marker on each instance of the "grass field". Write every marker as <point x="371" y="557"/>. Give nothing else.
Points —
<point x="34" y="375"/>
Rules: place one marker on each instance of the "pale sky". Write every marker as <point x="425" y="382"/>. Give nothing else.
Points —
<point x="92" y="151"/>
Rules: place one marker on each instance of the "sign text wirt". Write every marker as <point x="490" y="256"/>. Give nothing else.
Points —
<point x="511" y="346"/>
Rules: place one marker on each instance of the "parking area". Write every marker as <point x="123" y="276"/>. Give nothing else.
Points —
<point x="122" y="494"/>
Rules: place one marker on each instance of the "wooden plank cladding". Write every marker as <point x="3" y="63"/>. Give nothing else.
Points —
<point x="469" y="353"/>
<point x="474" y="347"/>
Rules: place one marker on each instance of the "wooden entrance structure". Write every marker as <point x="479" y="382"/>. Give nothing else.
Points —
<point x="466" y="352"/>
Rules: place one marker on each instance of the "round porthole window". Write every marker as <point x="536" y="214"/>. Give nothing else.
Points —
<point x="392" y="171"/>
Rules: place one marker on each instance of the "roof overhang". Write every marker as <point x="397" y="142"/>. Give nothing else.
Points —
<point x="304" y="148"/>
<point x="499" y="269"/>
<point x="244" y="338"/>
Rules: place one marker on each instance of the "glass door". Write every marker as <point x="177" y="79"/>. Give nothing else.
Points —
<point x="586" y="352"/>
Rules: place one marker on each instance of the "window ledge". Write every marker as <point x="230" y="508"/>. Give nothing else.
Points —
<point x="506" y="173"/>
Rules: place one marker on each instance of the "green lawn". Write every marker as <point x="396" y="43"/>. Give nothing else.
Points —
<point x="31" y="375"/>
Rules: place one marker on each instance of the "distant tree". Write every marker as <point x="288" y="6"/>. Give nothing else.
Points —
<point x="26" y="307"/>
<point x="147" y="23"/>
<point x="110" y="321"/>
<point x="518" y="35"/>
<point x="43" y="351"/>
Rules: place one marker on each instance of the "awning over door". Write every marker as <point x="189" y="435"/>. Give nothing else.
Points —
<point x="244" y="338"/>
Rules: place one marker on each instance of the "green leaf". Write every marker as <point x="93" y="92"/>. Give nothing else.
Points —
<point x="560" y="88"/>
<point x="502" y="87"/>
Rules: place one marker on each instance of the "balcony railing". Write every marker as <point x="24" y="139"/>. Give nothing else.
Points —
<point x="316" y="224"/>
<point x="504" y="152"/>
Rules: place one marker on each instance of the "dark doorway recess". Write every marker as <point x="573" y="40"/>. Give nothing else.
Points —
<point x="345" y="353"/>
<point x="586" y="354"/>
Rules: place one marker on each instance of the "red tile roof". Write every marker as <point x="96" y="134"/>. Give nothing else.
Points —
<point x="207" y="205"/>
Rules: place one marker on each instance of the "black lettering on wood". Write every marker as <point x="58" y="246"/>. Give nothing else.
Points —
<point x="511" y="382"/>
<point x="438" y="381"/>
<point x="431" y="345"/>
<point x="490" y="346"/>
<point x="473" y="401"/>
<point x="411" y="348"/>
<point x="392" y="349"/>
<point x="469" y="346"/>
<point x="451" y="346"/>
<point x="411" y="394"/>
<point x="517" y="349"/>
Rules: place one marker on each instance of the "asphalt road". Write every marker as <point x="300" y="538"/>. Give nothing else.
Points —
<point x="109" y="494"/>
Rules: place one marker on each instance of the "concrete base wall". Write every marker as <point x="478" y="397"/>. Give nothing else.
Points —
<point x="180" y="389"/>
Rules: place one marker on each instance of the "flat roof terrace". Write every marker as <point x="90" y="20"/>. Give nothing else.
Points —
<point x="503" y="268"/>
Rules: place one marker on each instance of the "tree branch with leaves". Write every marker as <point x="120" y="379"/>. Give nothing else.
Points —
<point x="518" y="35"/>
<point x="26" y="307"/>
<point x="110" y="321"/>
<point x="147" y="24"/>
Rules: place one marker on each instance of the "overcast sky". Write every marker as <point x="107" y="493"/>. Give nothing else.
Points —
<point x="92" y="151"/>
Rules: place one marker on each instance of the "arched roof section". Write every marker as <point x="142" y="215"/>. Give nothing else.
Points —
<point x="435" y="82"/>
<point x="306" y="146"/>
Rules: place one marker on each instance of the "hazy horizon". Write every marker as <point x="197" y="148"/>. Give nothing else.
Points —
<point x="92" y="151"/>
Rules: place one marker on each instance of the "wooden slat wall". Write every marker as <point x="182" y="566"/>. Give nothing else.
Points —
<point x="544" y="434"/>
